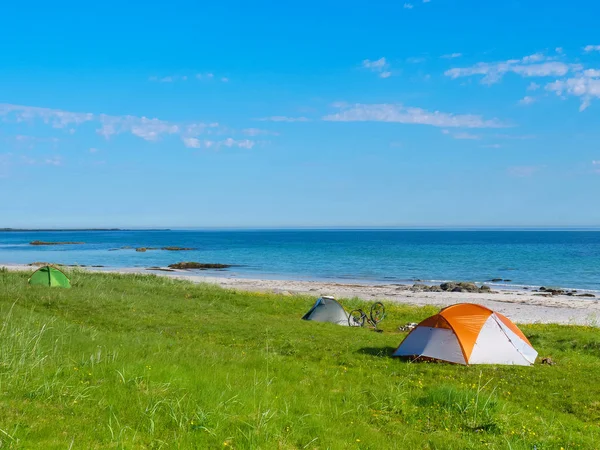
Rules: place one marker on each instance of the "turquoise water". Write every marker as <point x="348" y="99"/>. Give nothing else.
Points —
<point x="527" y="258"/>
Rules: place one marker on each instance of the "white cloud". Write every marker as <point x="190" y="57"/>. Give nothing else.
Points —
<point x="398" y="113"/>
<point x="55" y="117"/>
<point x="54" y="161"/>
<point x="176" y="78"/>
<point x="258" y="132"/>
<point x="583" y="86"/>
<point x="462" y="135"/>
<point x="466" y="136"/>
<point x="536" y="65"/>
<point x="452" y="55"/>
<point x="523" y="171"/>
<point x="533" y="86"/>
<point x="408" y="6"/>
<point x="229" y="143"/>
<point x="192" y="142"/>
<point x="149" y="129"/>
<point x="527" y="100"/>
<point x="591" y="48"/>
<point x="143" y="127"/>
<point x="284" y="119"/>
<point x="379" y="66"/>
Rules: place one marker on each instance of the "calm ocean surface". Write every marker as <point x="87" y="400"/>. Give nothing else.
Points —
<point x="550" y="258"/>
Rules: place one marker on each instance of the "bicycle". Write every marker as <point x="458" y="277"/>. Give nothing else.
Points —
<point x="358" y="317"/>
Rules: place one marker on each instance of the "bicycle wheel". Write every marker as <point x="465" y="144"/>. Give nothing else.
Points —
<point x="377" y="312"/>
<point x="357" y="318"/>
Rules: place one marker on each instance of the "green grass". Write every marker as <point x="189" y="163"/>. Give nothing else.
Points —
<point x="148" y="362"/>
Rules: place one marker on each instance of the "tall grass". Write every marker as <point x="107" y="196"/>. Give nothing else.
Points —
<point x="148" y="362"/>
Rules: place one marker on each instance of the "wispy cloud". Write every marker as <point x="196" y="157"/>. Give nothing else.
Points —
<point x="205" y="76"/>
<point x="591" y="48"/>
<point x="523" y="171"/>
<point x="585" y="85"/>
<point x="143" y="127"/>
<point x="258" y="132"/>
<point x="452" y="55"/>
<point x="533" y="86"/>
<point x="527" y="100"/>
<point x="211" y="144"/>
<point x="398" y="113"/>
<point x="408" y="6"/>
<point x="536" y="65"/>
<point x="149" y="129"/>
<point x="379" y="66"/>
<point x="283" y="119"/>
<point x="55" y="117"/>
<point x="491" y="146"/>
<point x="169" y="78"/>
<point x="462" y="135"/>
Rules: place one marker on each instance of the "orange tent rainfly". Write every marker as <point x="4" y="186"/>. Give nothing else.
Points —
<point x="468" y="334"/>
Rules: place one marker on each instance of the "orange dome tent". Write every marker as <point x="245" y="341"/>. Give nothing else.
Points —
<point x="468" y="334"/>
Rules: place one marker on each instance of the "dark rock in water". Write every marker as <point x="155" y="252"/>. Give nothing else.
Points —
<point x="495" y="280"/>
<point x="98" y="266"/>
<point x="196" y="265"/>
<point x="141" y="249"/>
<point x="55" y="243"/>
<point x="176" y="249"/>
<point x="542" y="288"/>
<point x="507" y="281"/>
<point x="586" y="295"/>
<point x="526" y="288"/>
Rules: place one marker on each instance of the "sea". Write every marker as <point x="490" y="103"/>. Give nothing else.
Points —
<point x="519" y="258"/>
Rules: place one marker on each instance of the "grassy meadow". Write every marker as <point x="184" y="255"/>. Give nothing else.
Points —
<point x="146" y="362"/>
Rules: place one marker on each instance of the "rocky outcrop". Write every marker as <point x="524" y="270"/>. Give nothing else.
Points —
<point x="55" y="243"/>
<point x="196" y="265"/>
<point x="452" y="287"/>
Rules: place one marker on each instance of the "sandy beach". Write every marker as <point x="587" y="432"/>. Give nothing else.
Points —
<point x="520" y="306"/>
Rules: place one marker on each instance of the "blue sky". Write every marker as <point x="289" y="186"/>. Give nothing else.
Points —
<point x="252" y="114"/>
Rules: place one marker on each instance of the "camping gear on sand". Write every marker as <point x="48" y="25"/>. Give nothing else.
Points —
<point x="327" y="309"/>
<point x="49" y="276"/>
<point x="467" y="333"/>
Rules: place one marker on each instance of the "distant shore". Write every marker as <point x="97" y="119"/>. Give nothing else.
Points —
<point x="519" y="305"/>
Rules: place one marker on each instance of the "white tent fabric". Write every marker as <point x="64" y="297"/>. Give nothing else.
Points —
<point x="469" y="334"/>
<point x="432" y="343"/>
<point x="327" y="309"/>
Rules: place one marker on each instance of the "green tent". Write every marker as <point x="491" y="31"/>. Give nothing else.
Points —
<point x="49" y="276"/>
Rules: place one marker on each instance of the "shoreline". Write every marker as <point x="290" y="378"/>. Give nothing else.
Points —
<point x="519" y="305"/>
